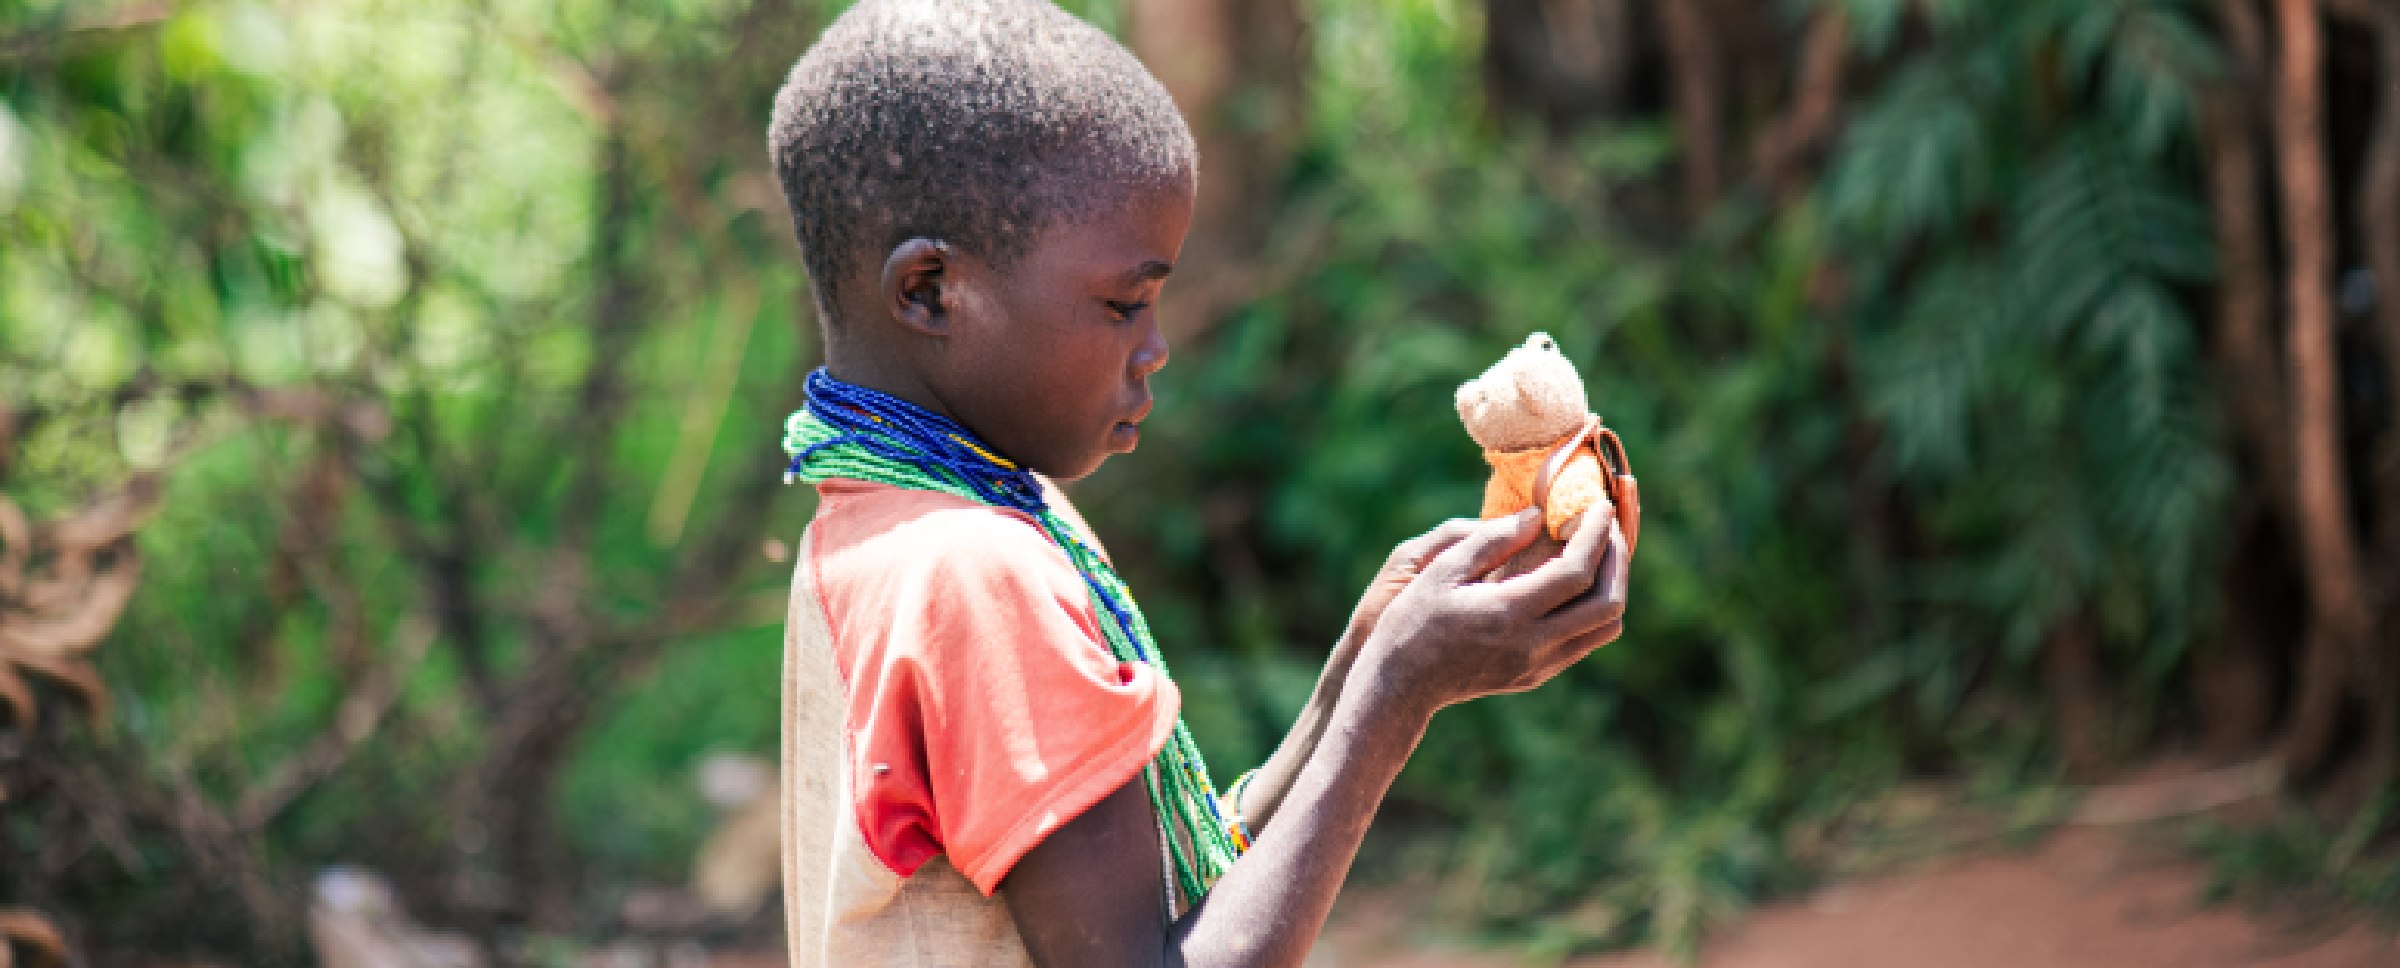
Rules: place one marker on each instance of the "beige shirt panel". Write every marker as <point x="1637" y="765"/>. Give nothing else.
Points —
<point x="842" y="907"/>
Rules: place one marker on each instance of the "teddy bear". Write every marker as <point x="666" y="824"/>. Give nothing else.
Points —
<point x="1545" y="446"/>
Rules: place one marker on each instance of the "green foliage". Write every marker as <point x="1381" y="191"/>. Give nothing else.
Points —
<point x="457" y="317"/>
<point x="2296" y="860"/>
<point x="629" y="798"/>
<point x="1893" y="434"/>
<point x="1863" y="514"/>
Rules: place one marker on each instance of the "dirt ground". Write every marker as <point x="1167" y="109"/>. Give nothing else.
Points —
<point x="2086" y="899"/>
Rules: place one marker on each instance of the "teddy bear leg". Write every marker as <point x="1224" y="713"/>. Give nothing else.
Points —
<point x="1579" y="488"/>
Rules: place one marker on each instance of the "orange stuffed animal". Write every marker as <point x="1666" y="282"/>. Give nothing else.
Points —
<point x="1545" y="446"/>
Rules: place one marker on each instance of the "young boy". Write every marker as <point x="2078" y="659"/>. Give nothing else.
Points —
<point x="983" y="761"/>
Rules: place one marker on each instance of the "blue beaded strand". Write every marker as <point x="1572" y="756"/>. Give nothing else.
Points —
<point x="895" y="429"/>
<point x="844" y="422"/>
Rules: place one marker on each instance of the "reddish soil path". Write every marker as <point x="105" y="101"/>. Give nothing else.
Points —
<point x="2086" y="899"/>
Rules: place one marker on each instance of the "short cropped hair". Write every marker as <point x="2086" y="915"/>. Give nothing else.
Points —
<point x="976" y="122"/>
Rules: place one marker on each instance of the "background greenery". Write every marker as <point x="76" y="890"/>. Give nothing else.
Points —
<point x="453" y="336"/>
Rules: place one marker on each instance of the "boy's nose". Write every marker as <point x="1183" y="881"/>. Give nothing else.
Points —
<point x="1151" y="356"/>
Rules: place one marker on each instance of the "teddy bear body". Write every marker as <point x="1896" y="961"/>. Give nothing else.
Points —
<point x="1521" y="411"/>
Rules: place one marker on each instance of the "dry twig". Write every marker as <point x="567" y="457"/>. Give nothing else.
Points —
<point x="32" y="934"/>
<point x="354" y="723"/>
<point x="51" y="616"/>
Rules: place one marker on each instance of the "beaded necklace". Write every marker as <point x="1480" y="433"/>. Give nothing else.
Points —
<point x="853" y="432"/>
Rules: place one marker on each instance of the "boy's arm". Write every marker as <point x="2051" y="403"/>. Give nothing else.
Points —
<point x="1090" y="893"/>
<point x="1265" y="790"/>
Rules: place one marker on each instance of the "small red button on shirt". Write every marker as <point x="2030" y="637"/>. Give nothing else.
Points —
<point x="984" y="709"/>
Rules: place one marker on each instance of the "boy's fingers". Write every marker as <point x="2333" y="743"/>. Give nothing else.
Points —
<point x="1486" y="545"/>
<point x="1602" y="603"/>
<point x="1611" y="580"/>
<point x="1585" y="643"/>
<point x="1554" y="657"/>
<point x="1561" y="579"/>
<point x="1598" y="616"/>
<point x="1620" y="561"/>
<point x="1415" y="552"/>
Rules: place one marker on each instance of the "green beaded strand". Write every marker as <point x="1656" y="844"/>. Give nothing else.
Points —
<point x="1199" y="847"/>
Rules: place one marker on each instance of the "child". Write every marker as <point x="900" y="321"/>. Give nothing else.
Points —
<point x="983" y="759"/>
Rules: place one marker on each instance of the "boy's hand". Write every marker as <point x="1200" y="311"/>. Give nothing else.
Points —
<point x="1437" y="627"/>
<point x="1264" y="794"/>
<point x="1405" y="566"/>
<point x="1454" y="632"/>
<point x="1406" y="562"/>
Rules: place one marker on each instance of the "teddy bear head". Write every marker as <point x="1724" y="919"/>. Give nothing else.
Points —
<point x="1531" y="398"/>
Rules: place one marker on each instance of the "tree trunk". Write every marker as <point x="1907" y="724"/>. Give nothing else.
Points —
<point x="1236" y="68"/>
<point x="2232" y="681"/>
<point x="1697" y="73"/>
<point x="1816" y="95"/>
<point x="511" y="790"/>
<point x="2244" y="343"/>
<point x="1567" y="61"/>
<point x="2078" y="691"/>
<point x="2329" y="553"/>
<point x="2378" y="230"/>
<point x="2379" y="227"/>
<point x="2378" y="224"/>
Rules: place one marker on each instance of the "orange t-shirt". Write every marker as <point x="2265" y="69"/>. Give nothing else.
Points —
<point x="982" y="707"/>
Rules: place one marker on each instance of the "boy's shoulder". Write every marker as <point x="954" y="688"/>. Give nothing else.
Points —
<point x="904" y="541"/>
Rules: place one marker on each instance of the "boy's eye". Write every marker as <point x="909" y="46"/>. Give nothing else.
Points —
<point x="1126" y="310"/>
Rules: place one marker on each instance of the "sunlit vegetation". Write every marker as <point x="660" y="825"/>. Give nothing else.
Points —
<point x="2012" y="384"/>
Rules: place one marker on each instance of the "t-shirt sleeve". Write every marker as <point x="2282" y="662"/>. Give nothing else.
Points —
<point x="992" y="711"/>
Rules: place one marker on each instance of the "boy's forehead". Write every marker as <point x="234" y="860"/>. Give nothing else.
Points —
<point x="1139" y="236"/>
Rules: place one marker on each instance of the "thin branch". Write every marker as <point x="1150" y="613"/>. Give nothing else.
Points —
<point x="355" y="721"/>
<point x="227" y="858"/>
<point x="44" y="45"/>
<point x="703" y="416"/>
<point x="40" y="938"/>
<point x="574" y="80"/>
<point x="130" y="16"/>
<point x="601" y="401"/>
<point x="8" y="437"/>
<point x="2145" y="801"/>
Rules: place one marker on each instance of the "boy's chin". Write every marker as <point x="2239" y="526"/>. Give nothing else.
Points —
<point x="1074" y="471"/>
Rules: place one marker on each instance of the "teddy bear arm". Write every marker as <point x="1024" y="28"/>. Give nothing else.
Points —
<point x="1506" y="493"/>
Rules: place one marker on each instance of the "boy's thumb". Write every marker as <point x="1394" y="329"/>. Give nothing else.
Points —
<point x="1489" y="546"/>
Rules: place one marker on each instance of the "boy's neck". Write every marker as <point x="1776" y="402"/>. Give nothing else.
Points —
<point x="876" y="371"/>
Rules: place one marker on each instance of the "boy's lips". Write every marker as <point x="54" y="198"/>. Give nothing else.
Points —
<point x="1128" y="431"/>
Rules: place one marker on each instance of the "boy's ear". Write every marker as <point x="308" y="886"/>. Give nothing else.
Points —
<point x="912" y="286"/>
